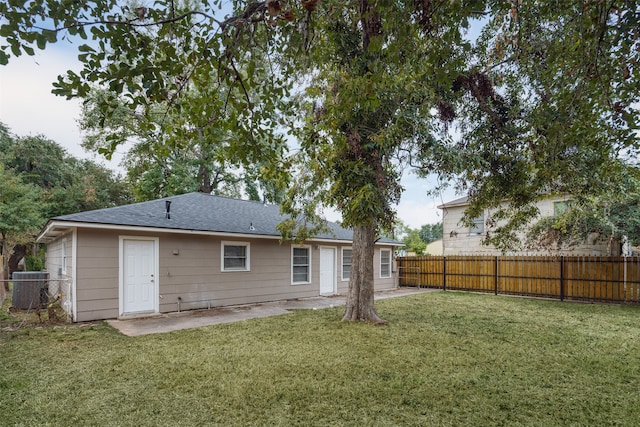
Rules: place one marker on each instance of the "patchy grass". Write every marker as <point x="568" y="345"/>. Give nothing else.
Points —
<point x="12" y="319"/>
<point x="445" y="359"/>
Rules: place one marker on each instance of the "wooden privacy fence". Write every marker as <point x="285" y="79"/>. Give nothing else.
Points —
<point x="602" y="279"/>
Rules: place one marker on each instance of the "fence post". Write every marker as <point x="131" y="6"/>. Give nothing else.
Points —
<point x="444" y="273"/>
<point x="624" y="260"/>
<point x="496" y="276"/>
<point x="562" y="278"/>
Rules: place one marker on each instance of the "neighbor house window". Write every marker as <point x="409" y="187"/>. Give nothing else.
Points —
<point x="300" y="265"/>
<point x="559" y="208"/>
<point x="385" y="263"/>
<point x="346" y="263"/>
<point x="478" y="225"/>
<point x="235" y="256"/>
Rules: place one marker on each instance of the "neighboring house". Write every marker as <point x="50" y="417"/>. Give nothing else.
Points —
<point x="463" y="240"/>
<point x="193" y="251"/>
<point x="434" y="248"/>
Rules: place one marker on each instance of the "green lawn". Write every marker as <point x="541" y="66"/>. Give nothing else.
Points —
<point x="445" y="359"/>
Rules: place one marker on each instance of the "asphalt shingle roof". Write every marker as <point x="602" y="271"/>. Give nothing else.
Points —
<point x="460" y="201"/>
<point x="201" y="212"/>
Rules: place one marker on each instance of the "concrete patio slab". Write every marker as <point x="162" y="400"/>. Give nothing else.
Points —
<point x="197" y="318"/>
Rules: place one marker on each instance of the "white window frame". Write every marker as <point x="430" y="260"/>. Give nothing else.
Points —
<point x="345" y="279"/>
<point x="308" y="248"/>
<point x="477" y="229"/>
<point x="390" y="263"/>
<point x="247" y="266"/>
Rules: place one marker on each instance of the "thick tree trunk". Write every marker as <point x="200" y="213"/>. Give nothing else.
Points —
<point x="3" y="286"/>
<point x="4" y="272"/>
<point x="4" y="269"/>
<point x="19" y="251"/>
<point x="360" y="304"/>
<point x="204" y="177"/>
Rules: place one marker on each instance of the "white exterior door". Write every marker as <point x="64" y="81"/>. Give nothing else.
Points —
<point x="328" y="271"/>
<point x="139" y="282"/>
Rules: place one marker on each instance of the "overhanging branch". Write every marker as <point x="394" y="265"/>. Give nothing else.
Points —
<point x="247" y="15"/>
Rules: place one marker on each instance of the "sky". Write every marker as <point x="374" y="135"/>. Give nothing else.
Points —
<point x="28" y="108"/>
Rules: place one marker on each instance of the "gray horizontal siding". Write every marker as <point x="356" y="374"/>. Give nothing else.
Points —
<point x="97" y="275"/>
<point x="195" y="274"/>
<point x="189" y="269"/>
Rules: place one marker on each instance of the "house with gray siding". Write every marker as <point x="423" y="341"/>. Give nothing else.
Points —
<point x="193" y="251"/>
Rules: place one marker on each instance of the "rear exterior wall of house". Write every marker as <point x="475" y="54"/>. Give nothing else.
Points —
<point x="189" y="269"/>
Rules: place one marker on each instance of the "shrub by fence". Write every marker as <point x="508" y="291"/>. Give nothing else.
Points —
<point x="603" y="279"/>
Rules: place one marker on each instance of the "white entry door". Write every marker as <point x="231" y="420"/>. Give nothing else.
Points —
<point x="139" y="284"/>
<point x="328" y="271"/>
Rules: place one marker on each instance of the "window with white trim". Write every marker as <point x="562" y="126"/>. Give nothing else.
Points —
<point x="234" y="256"/>
<point x="478" y="225"/>
<point x="300" y="265"/>
<point x="385" y="263"/>
<point x="346" y="263"/>
<point x="559" y="208"/>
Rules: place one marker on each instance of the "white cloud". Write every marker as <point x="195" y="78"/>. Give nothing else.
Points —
<point x="28" y="107"/>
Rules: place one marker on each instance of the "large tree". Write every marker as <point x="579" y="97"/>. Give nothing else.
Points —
<point x="545" y="98"/>
<point x="551" y="108"/>
<point x="41" y="180"/>
<point x="193" y="158"/>
<point x="21" y="217"/>
<point x="68" y="184"/>
<point x="430" y="232"/>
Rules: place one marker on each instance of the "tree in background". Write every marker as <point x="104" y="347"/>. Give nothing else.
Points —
<point x="69" y="184"/>
<point x="38" y="160"/>
<point x="431" y="232"/>
<point x="41" y="180"/>
<point x="545" y="98"/>
<point x="551" y="107"/>
<point x="194" y="156"/>
<point x="413" y="242"/>
<point x="417" y="239"/>
<point x="21" y="217"/>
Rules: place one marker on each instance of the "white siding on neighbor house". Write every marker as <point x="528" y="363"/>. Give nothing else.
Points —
<point x="458" y="239"/>
<point x="190" y="269"/>
<point x="434" y="248"/>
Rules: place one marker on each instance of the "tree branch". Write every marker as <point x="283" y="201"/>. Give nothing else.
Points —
<point x="252" y="9"/>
